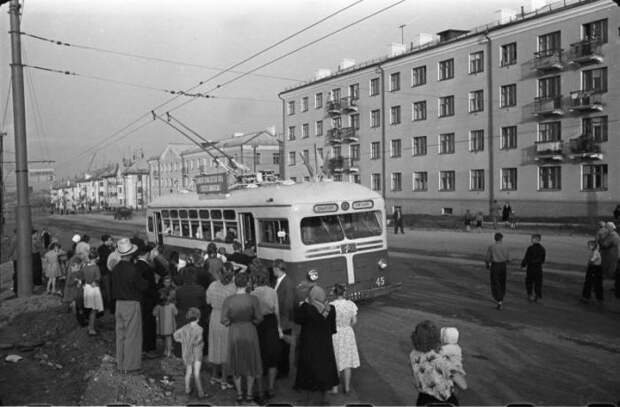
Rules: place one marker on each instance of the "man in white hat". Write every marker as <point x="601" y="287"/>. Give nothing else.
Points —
<point x="127" y="288"/>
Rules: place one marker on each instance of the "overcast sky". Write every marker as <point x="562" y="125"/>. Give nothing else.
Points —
<point x="66" y="115"/>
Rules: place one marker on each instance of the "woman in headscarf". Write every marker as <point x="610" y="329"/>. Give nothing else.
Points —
<point x="316" y="364"/>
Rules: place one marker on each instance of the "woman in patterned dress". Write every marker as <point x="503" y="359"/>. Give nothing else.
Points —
<point x="345" y="346"/>
<point x="217" y="292"/>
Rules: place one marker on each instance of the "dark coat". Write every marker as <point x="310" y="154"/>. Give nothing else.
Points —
<point x="534" y="257"/>
<point x="316" y="364"/>
<point x="286" y="302"/>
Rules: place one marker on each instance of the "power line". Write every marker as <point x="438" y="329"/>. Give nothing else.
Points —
<point x="219" y="86"/>
<point x="146" y="58"/>
<point x="37" y="110"/>
<point x="6" y="104"/>
<point x="227" y="70"/>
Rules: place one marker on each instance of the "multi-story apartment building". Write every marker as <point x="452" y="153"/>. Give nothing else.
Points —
<point x="175" y="168"/>
<point x="520" y="110"/>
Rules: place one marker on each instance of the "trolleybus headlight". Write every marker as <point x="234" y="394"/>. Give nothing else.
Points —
<point x="382" y="264"/>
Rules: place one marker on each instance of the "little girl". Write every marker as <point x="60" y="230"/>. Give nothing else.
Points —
<point x="192" y="345"/>
<point x="165" y="313"/>
<point x="51" y="265"/>
<point x="90" y="277"/>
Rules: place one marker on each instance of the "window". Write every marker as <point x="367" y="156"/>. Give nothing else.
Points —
<point x="508" y="137"/>
<point x="420" y="181"/>
<point x="446" y="69"/>
<point x="354" y="152"/>
<point x="509" y="179"/>
<point x="419" y="110"/>
<point x="508" y="95"/>
<point x="375" y="150"/>
<point x="337" y="151"/>
<point x="476" y="62"/>
<point x="357" y="179"/>
<point x="446" y="143"/>
<point x="595" y="128"/>
<point x="446" y="106"/>
<point x="594" y="80"/>
<point x="446" y="180"/>
<point x="318" y="128"/>
<point x="273" y="232"/>
<point x="335" y="94"/>
<point x="305" y="130"/>
<point x="418" y="76"/>
<point x="354" y="91"/>
<point x="395" y="82"/>
<point x="375" y="118"/>
<point x="291" y="158"/>
<point x="395" y="115"/>
<point x="550" y="178"/>
<point x="508" y="54"/>
<point x="375" y="183"/>
<point x="291" y="107"/>
<point x="304" y="104"/>
<point x="374" y="86"/>
<point x="257" y="158"/>
<point x="318" y="100"/>
<point x="305" y="156"/>
<point x="549" y="88"/>
<point x="291" y="133"/>
<point x="419" y="145"/>
<point x="354" y="121"/>
<point x="319" y="152"/>
<point x="476" y="101"/>
<point x="275" y="159"/>
<point x="594" y="177"/>
<point x="338" y="177"/>
<point x="476" y="180"/>
<point x="549" y="131"/>
<point x="395" y="148"/>
<point x="549" y="44"/>
<point x="476" y="140"/>
<point x="596" y="31"/>
<point x="333" y="228"/>
<point x="337" y="122"/>
<point x="396" y="181"/>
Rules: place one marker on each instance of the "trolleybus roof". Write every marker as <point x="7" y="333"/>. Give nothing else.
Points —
<point x="276" y="195"/>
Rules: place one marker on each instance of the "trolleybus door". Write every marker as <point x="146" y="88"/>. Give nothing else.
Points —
<point x="158" y="229"/>
<point x="248" y="231"/>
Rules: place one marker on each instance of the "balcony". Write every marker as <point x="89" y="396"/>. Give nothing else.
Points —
<point x="586" y="52"/>
<point x="548" y="106"/>
<point x="334" y="108"/>
<point x="549" y="151"/>
<point x="341" y="135"/>
<point x="548" y="60"/>
<point x="586" y="101"/>
<point x="339" y="165"/>
<point x="584" y="148"/>
<point x="341" y="106"/>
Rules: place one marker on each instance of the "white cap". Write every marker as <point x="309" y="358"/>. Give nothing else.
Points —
<point x="76" y="238"/>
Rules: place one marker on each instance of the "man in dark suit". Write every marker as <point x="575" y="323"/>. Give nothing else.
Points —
<point x="285" y="288"/>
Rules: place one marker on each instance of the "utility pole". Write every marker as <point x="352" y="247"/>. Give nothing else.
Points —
<point x="402" y="33"/>
<point x="1" y="185"/>
<point x="23" y="216"/>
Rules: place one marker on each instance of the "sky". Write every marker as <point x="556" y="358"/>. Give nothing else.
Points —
<point x="75" y="121"/>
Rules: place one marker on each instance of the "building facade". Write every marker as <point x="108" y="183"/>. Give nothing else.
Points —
<point x="521" y="110"/>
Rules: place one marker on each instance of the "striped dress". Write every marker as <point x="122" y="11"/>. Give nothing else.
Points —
<point x="218" y="333"/>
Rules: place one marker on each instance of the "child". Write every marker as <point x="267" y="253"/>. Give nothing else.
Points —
<point x="479" y="219"/>
<point x="165" y="313"/>
<point x="91" y="276"/>
<point x="450" y="346"/>
<point x="73" y="285"/>
<point x="51" y="265"/>
<point x="533" y="260"/>
<point x="594" y="274"/>
<point x="192" y="345"/>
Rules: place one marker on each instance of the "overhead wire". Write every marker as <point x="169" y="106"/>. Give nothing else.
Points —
<point x="36" y="109"/>
<point x="6" y="104"/>
<point x="170" y="100"/>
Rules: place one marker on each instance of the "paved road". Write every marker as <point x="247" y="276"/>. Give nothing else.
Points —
<point x="556" y="353"/>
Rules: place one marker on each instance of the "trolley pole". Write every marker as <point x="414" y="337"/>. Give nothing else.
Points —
<point x="22" y="215"/>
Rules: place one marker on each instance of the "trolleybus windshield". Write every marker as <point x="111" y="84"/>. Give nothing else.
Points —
<point x="334" y="228"/>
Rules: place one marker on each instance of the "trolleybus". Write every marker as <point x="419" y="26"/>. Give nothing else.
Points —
<point x="336" y="228"/>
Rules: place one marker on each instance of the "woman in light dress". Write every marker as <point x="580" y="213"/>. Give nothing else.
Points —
<point x="51" y="265"/>
<point x="217" y="292"/>
<point x="345" y="346"/>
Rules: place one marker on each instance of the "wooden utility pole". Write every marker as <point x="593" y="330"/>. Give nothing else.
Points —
<point x="2" y="185"/>
<point x="22" y="211"/>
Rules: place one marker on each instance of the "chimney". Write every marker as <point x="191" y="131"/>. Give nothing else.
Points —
<point x="505" y="15"/>
<point x="422" y="39"/>
<point x="397" y="49"/>
<point x="322" y="73"/>
<point x="346" y="63"/>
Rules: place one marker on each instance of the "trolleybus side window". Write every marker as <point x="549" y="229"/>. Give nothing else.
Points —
<point x="206" y="230"/>
<point x="204" y="214"/>
<point x="185" y="228"/>
<point x="195" y="229"/>
<point x="167" y="228"/>
<point x="216" y="214"/>
<point x="176" y="229"/>
<point x="183" y="214"/>
<point x="174" y="214"/>
<point x="229" y="214"/>
<point x="231" y="231"/>
<point x="193" y="214"/>
<point x="165" y="213"/>
<point x="219" y="233"/>
<point x="274" y="232"/>
<point x="150" y="224"/>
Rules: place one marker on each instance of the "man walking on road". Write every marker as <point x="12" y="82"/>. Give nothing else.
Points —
<point x="398" y="220"/>
<point x="496" y="259"/>
<point x="533" y="260"/>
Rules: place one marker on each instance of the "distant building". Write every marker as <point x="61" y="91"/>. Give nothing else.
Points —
<point x="519" y="110"/>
